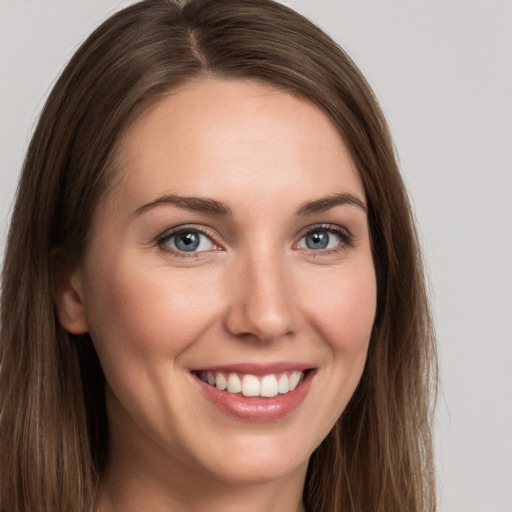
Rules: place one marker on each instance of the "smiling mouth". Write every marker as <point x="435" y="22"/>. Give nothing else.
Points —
<point x="248" y="385"/>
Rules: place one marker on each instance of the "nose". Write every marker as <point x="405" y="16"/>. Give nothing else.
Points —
<point x="261" y="299"/>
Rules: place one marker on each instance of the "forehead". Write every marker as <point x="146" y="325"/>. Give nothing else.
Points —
<point x="228" y="137"/>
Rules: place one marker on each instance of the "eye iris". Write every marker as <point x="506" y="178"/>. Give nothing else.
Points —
<point x="188" y="241"/>
<point x="317" y="240"/>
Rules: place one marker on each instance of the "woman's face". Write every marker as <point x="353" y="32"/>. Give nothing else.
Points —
<point x="233" y="248"/>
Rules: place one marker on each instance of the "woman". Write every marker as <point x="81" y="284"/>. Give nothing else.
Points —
<point x="212" y="291"/>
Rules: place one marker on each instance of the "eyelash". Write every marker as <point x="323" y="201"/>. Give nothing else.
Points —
<point x="163" y="240"/>
<point x="346" y="240"/>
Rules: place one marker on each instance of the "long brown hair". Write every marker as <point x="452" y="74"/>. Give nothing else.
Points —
<point x="53" y="426"/>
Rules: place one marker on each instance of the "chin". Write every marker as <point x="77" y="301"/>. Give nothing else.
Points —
<point x="248" y="471"/>
<point x="259" y="459"/>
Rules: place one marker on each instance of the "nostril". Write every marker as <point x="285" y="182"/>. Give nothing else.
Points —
<point x="262" y="322"/>
<point x="261" y="300"/>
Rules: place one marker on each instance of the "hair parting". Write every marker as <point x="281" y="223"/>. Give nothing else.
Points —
<point x="53" y="425"/>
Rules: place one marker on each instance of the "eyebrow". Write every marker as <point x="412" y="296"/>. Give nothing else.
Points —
<point x="326" y="203"/>
<point x="194" y="204"/>
<point x="212" y="206"/>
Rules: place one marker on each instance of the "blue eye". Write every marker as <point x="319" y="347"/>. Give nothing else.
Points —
<point x="189" y="241"/>
<point x="323" y="239"/>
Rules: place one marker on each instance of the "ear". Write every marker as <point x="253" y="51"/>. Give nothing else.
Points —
<point x="68" y="294"/>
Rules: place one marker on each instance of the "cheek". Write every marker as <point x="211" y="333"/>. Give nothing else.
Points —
<point x="145" y="313"/>
<point x="343" y="309"/>
<point x="340" y="311"/>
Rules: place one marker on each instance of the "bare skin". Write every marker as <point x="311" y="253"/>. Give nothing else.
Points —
<point x="235" y="236"/>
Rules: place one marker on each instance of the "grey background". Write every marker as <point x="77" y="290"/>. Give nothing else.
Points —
<point x="442" y="71"/>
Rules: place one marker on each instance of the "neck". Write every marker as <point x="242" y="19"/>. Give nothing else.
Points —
<point x="140" y="476"/>
<point x="132" y="489"/>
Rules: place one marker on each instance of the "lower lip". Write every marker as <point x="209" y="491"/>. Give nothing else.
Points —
<point x="258" y="409"/>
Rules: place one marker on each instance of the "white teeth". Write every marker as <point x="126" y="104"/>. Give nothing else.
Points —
<point x="294" y="379"/>
<point x="283" y="385"/>
<point x="269" y="386"/>
<point x="250" y="386"/>
<point x="234" y="383"/>
<point x="221" y="382"/>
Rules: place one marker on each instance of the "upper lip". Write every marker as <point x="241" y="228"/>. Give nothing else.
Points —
<point x="257" y="368"/>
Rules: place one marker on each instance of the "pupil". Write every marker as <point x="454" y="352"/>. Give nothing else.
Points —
<point x="318" y="240"/>
<point x="188" y="241"/>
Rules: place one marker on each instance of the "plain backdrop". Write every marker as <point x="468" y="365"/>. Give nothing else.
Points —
<point x="442" y="70"/>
